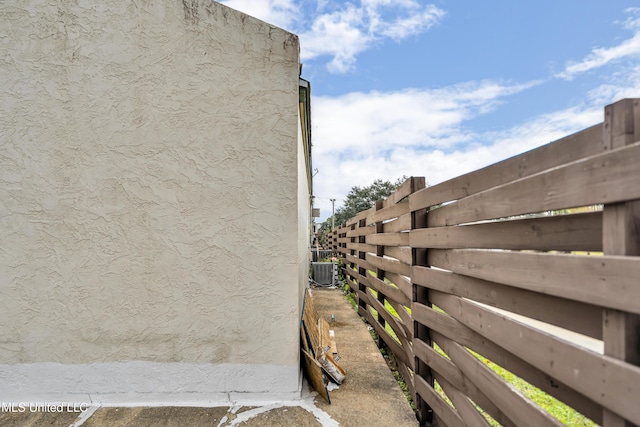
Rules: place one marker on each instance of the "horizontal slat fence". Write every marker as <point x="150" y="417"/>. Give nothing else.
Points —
<point x="532" y="263"/>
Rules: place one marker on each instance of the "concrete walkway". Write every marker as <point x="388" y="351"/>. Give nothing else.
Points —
<point x="369" y="396"/>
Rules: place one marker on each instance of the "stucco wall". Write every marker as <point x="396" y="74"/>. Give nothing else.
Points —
<point x="148" y="199"/>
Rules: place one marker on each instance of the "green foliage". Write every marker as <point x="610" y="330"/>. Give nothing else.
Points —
<point x="350" y="296"/>
<point x="362" y="198"/>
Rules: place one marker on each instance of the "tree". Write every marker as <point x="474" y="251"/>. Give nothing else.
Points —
<point x="362" y="198"/>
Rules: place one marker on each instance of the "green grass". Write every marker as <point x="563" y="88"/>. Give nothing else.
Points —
<point x="553" y="406"/>
<point x="350" y="296"/>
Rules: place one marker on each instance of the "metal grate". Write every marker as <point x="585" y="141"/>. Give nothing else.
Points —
<point x="324" y="273"/>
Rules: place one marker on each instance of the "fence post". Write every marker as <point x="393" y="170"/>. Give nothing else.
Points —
<point x="380" y="273"/>
<point x="342" y="245"/>
<point x="621" y="236"/>
<point x="421" y="295"/>
<point x="362" y="255"/>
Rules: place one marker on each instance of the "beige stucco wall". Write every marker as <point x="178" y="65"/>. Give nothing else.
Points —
<point x="149" y="194"/>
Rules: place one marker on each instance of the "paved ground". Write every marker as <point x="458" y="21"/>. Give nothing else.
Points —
<point x="368" y="397"/>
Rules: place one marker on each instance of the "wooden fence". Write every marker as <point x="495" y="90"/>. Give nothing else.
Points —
<point x="531" y="264"/>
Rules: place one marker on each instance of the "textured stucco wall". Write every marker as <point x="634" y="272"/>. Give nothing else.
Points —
<point x="148" y="190"/>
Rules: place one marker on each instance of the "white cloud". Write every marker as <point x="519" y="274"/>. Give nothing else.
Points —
<point x="602" y="56"/>
<point x="281" y="13"/>
<point x="434" y="142"/>
<point x="413" y="24"/>
<point x="342" y="30"/>
<point x="362" y="122"/>
<point x="338" y="34"/>
<point x="350" y="30"/>
<point x="624" y="83"/>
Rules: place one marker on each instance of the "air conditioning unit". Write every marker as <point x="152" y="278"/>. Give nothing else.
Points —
<point x="324" y="273"/>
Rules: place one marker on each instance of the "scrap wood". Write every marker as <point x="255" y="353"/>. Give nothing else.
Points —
<point x="325" y="336"/>
<point x="334" y="348"/>
<point x="331" y="368"/>
<point x="325" y="353"/>
<point x="315" y="375"/>
<point x="309" y="319"/>
<point x="306" y="339"/>
<point x="318" y="344"/>
<point x="312" y="368"/>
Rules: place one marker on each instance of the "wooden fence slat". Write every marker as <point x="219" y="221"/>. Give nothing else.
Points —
<point x="575" y="316"/>
<point x="361" y="231"/>
<point x="388" y="239"/>
<point x="401" y="253"/>
<point x="390" y="212"/>
<point x="402" y="282"/>
<point x="393" y="345"/>
<point x="608" y="281"/>
<point x="362" y="296"/>
<point x="447" y="369"/>
<point x="409" y="186"/>
<point x="522" y="411"/>
<point x="393" y="322"/>
<point x="401" y="223"/>
<point x="363" y="280"/>
<point x="351" y="272"/>
<point x="362" y="215"/>
<point x="361" y="247"/>
<point x="463" y="405"/>
<point x="359" y="262"/>
<point x="389" y="291"/>
<point x="578" y="232"/>
<point x="454" y="330"/>
<point x="388" y="264"/>
<point x="577" y="146"/>
<point x="584" y="182"/>
<point x="447" y="414"/>
<point x="402" y="351"/>
<point x="408" y="378"/>
<point x="352" y="283"/>
<point x="407" y="320"/>
<point x="605" y="380"/>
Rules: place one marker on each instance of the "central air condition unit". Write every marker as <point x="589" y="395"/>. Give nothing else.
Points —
<point x="324" y="273"/>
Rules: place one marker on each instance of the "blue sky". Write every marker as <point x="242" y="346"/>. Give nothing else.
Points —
<point x="441" y="88"/>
